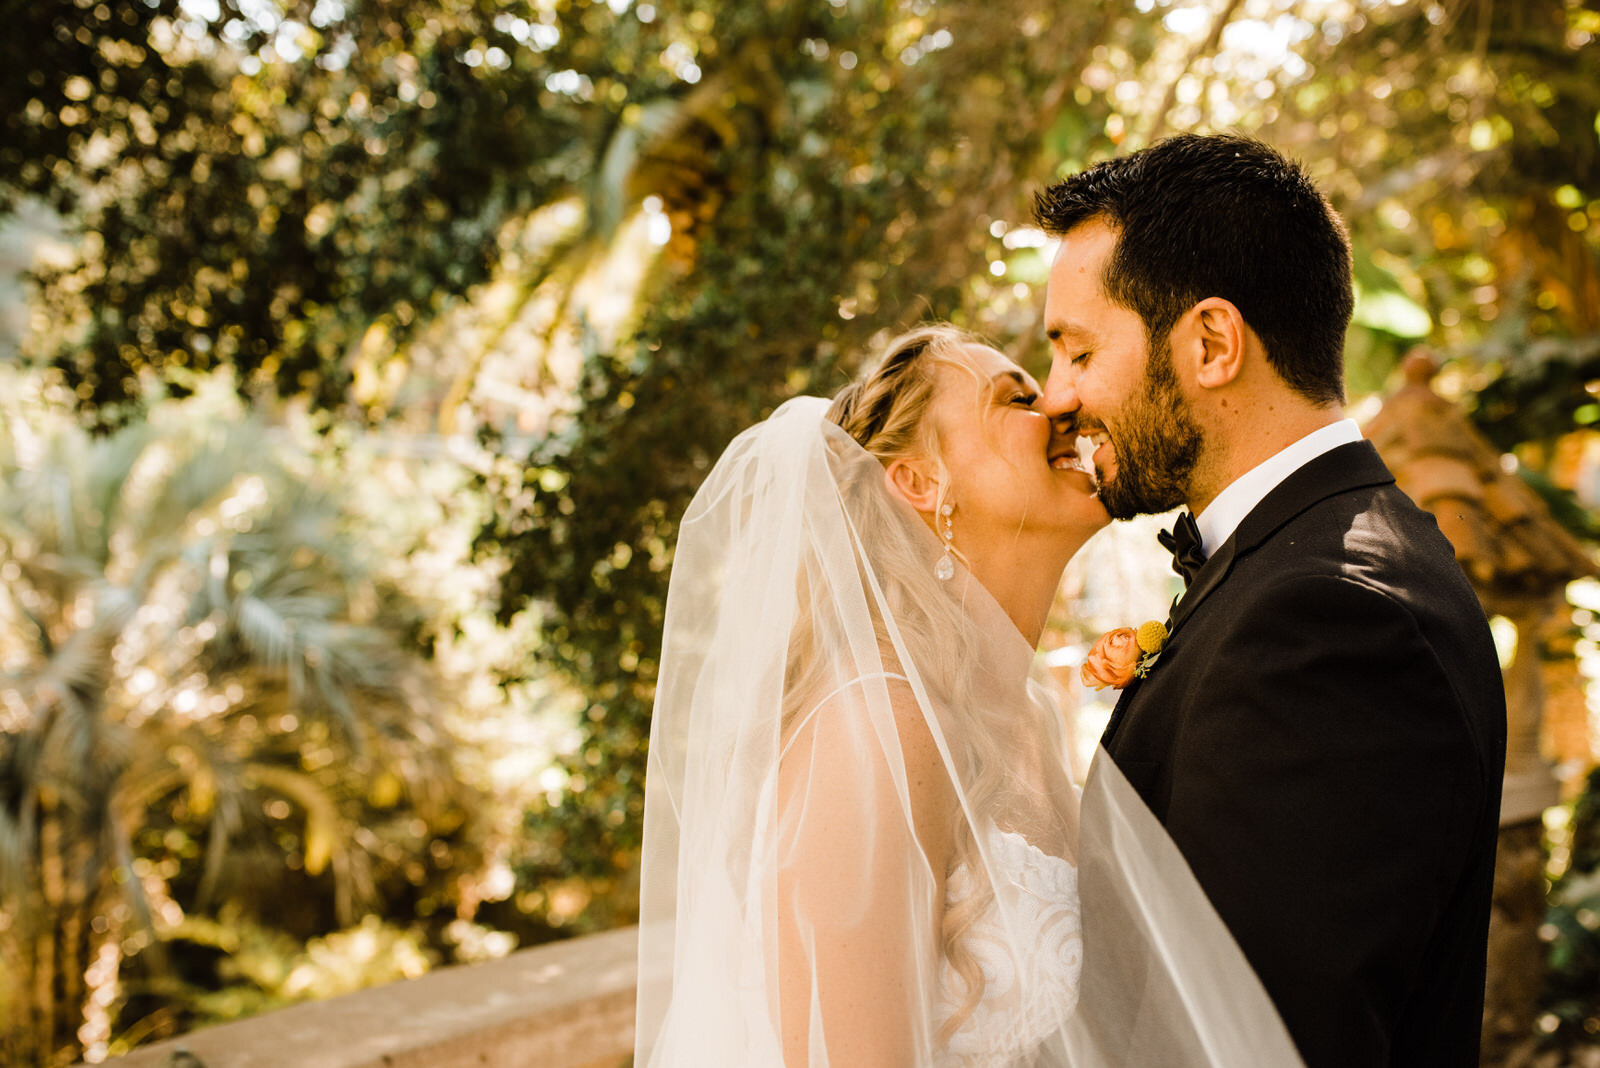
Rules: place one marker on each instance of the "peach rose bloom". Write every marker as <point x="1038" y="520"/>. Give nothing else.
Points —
<point x="1113" y="660"/>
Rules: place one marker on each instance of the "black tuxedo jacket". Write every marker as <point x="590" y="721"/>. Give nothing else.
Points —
<point x="1324" y="737"/>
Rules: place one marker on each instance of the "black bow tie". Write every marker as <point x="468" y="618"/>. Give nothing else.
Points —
<point x="1183" y="542"/>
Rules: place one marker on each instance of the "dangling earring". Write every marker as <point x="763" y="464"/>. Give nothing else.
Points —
<point x="945" y="569"/>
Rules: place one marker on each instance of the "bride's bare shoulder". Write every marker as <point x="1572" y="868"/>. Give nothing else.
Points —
<point x="872" y="742"/>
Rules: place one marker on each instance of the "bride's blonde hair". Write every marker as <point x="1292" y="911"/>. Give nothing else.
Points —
<point x="886" y="411"/>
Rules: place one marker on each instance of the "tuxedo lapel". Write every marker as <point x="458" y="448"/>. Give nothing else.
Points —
<point x="1207" y="579"/>
<point x="1336" y="471"/>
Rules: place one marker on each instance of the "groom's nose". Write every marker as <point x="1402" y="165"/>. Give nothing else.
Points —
<point x="1059" y="398"/>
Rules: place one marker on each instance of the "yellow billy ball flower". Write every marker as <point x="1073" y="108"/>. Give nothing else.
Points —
<point x="1152" y="637"/>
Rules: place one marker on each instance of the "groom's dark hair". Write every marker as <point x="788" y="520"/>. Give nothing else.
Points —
<point x="1225" y="216"/>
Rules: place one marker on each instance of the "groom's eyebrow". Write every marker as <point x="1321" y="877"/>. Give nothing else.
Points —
<point x="1064" y="331"/>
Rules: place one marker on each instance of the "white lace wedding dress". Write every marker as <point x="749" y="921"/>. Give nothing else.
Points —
<point x="1031" y="981"/>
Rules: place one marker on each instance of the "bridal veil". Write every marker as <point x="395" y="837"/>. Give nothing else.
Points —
<point x="862" y="837"/>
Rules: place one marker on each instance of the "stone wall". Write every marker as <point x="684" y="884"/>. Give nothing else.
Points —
<point x="566" y="1005"/>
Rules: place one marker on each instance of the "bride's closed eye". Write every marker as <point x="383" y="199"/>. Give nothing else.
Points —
<point x="1027" y="400"/>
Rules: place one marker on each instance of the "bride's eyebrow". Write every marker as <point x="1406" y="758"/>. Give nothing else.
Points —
<point x="1015" y="376"/>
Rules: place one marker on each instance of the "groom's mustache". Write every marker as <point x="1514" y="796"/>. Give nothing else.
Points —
<point x="1074" y="425"/>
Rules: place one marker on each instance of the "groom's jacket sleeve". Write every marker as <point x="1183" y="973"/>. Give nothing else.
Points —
<point x="1329" y="792"/>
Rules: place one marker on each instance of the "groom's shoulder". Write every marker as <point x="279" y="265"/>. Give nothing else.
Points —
<point x="1375" y="538"/>
<point x="1372" y="535"/>
<point x="1344" y="508"/>
<point x="1341" y="517"/>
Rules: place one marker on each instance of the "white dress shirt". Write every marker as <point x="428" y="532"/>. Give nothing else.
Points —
<point x="1223" y="515"/>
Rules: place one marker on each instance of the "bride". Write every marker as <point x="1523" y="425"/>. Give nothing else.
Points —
<point x="862" y="836"/>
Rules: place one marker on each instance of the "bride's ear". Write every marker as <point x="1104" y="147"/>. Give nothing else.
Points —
<point x="917" y="485"/>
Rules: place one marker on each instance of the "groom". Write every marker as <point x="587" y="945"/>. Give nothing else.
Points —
<point x="1324" y="734"/>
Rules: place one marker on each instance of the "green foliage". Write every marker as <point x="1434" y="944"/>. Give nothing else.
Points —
<point x="1571" y="997"/>
<point x="208" y="698"/>
<point x="827" y="199"/>
<point x="1546" y="387"/>
<point x="1460" y="143"/>
<point x="304" y="194"/>
<point x="832" y="199"/>
<point x="258" y="190"/>
<point x="260" y="968"/>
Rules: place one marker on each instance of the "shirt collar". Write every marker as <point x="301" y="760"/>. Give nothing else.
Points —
<point x="1224" y="514"/>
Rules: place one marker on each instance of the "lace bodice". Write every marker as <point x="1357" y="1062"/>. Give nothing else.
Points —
<point x="1023" y="1000"/>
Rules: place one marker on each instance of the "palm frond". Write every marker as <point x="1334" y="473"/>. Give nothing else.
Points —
<point x="323" y="829"/>
<point x="268" y="634"/>
<point x="654" y="123"/>
<point x="171" y="596"/>
<point x="77" y="665"/>
<point x="16" y="848"/>
<point x="107" y="468"/>
<point x="220" y="830"/>
<point x="202" y="472"/>
<point x="121" y="835"/>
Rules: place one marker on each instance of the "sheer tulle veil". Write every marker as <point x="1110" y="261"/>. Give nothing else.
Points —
<point x="827" y="710"/>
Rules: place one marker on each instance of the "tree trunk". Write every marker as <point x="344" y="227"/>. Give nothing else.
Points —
<point x="1516" y="955"/>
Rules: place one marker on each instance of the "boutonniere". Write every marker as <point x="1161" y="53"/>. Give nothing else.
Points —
<point x="1124" y="654"/>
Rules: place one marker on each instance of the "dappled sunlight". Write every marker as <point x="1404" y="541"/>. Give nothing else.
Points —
<point x="358" y="361"/>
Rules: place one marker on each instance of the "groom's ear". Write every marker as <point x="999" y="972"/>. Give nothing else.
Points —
<point x="912" y="481"/>
<point x="1214" y="335"/>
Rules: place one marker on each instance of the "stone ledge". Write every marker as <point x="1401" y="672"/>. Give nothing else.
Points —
<point x="565" y="1005"/>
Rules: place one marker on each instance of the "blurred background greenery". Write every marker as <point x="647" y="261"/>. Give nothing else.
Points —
<point x="357" y="358"/>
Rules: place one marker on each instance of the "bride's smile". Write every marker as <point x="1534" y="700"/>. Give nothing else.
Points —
<point x="1020" y="502"/>
<point x="1015" y="478"/>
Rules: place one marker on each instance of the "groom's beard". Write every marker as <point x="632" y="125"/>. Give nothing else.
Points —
<point x="1157" y="443"/>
